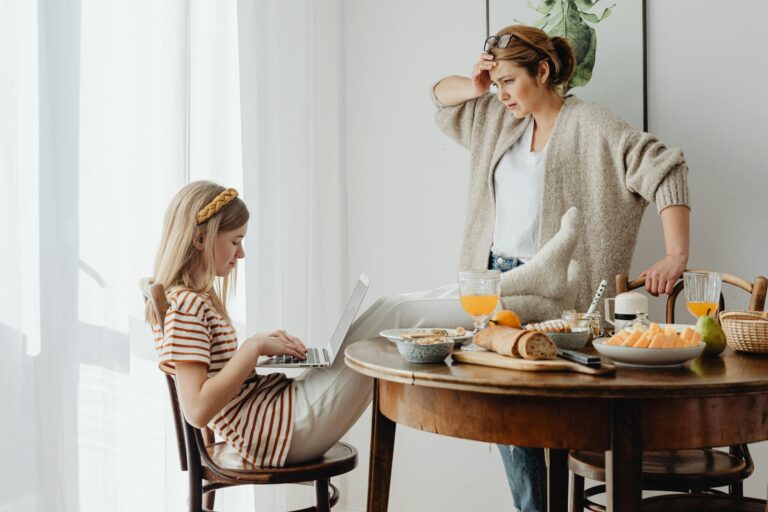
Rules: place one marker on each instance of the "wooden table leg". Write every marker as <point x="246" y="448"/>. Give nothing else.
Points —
<point x="382" y="448"/>
<point x="557" y="481"/>
<point x="624" y="461"/>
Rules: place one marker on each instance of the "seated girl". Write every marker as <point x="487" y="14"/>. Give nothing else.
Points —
<point x="269" y="419"/>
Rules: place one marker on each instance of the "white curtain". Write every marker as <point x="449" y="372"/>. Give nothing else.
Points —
<point x="291" y="104"/>
<point x="106" y="109"/>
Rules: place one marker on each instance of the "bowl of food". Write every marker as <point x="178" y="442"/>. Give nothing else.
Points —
<point x="425" y="350"/>
<point x="655" y="346"/>
<point x="562" y="333"/>
<point x="573" y="340"/>
<point x="459" y="335"/>
<point x="647" y="357"/>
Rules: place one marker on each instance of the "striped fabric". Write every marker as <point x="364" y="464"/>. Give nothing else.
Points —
<point x="258" y="421"/>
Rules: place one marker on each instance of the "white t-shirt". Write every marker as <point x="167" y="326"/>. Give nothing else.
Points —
<point x="518" y="182"/>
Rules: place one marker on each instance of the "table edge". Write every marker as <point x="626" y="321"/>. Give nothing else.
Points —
<point x="645" y="392"/>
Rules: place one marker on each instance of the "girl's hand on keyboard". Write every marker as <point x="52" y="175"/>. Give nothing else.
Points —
<point x="278" y="345"/>
<point x="285" y="336"/>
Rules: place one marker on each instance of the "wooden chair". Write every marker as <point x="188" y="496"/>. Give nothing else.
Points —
<point x="215" y="465"/>
<point x="699" y="470"/>
<point x="703" y="503"/>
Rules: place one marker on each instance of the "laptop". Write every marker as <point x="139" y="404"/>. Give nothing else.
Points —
<point x="324" y="357"/>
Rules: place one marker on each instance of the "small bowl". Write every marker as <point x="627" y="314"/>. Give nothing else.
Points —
<point x="574" y="340"/>
<point x="458" y="339"/>
<point x="417" y="353"/>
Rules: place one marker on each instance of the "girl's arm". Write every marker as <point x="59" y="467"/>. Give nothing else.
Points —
<point x="455" y="90"/>
<point x="661" y="276"/>
<point x="202" y="397"/>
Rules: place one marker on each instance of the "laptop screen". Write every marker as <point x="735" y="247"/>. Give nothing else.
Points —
<point x="348" y="316"/>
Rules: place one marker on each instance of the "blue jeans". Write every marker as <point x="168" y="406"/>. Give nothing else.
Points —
<point x="525" y="467"/>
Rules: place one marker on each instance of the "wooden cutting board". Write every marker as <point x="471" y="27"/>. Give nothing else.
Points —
<point x="486" y="358"/>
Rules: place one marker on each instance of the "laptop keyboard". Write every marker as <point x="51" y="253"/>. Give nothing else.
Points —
<point x="314" y="356"/>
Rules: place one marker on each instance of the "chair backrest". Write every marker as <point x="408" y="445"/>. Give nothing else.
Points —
<point x="155" y="294"/>
<point x="757" y="290"/>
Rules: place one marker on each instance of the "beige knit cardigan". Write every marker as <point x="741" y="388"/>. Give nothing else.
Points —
<point x="595" y="161"/>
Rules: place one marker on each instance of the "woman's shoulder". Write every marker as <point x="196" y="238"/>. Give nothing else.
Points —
<point x="189" y="302"/>
<point x="595" y="116"/>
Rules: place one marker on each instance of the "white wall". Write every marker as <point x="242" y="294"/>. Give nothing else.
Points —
<point x="406" y="184"/>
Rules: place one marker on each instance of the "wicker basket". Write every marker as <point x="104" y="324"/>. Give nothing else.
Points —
<point x="746" y="331"/>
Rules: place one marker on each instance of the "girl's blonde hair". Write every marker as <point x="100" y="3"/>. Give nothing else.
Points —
<point x="178" y="261"/>
<point x="531" y="45"/>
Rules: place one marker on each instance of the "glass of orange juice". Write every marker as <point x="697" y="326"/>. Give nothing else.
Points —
<point x="702" y="292"/>
<point x="479" y="293"/>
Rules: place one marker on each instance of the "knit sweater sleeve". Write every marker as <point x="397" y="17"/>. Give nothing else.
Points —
<point x="459" y="121"/>
<point x="653" y="171"/>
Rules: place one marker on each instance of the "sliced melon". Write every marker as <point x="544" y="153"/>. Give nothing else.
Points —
<point x="680" y="342"/>
<point x="632" y="338"/>
<point x="657" y="341"/>
<point x="670" y="340"/>
<point x="643" y="341"/>
<point x="695" y="338"/>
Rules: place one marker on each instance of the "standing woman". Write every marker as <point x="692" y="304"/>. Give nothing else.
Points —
<point x="534" y="154"/>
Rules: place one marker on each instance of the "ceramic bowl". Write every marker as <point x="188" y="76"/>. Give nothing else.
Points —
<point x="458" y="339"/>
<point x="574" y="340"/>
<point x="647" y="357"/>
<point x="418" y="353"/>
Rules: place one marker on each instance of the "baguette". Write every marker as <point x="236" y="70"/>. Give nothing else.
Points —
<point x="499" y="339"/>
<point x="535" y="345"/>
<point x="519" y="343"/>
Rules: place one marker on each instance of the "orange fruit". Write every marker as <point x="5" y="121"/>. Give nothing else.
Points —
<point x="506" y="318"/>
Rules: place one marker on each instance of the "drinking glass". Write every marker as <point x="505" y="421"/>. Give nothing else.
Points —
<point x="702" y="292"/>
<point x="479" y="293"/>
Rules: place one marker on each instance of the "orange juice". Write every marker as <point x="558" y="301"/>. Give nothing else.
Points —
<point x="699" y="309"/>
<point x="479" y="305"/>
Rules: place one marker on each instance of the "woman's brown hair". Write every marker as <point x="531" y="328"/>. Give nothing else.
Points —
<point x="530" y="45"/>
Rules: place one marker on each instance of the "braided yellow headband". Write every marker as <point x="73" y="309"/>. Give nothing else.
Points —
<point x="215" y="206"/>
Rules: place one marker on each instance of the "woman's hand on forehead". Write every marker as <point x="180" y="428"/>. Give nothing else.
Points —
<point x="481" y="78"/>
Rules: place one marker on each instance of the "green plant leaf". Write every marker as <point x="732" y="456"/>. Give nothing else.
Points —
<point x="582" y="74"/>
<point x="554" y="20"/>
<point x="585" y="5"/>
<point x="540" y="23"/>
<point x="543" y="8"/>
<point x="593" y="18"/>
<point x="566" y="21"/>
<point x="570" y="18"/>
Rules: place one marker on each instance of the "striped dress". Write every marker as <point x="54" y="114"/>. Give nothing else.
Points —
<point x="258" y="421"/>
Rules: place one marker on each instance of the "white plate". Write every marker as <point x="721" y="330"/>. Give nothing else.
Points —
<point x="647" y="357"/>
<point x="397" y="334"/>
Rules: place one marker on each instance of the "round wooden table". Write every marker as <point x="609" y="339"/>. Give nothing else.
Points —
<point x="716" y="401"/>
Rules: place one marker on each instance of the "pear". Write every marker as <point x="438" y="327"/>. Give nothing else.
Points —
<point x="711" y="334"/>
